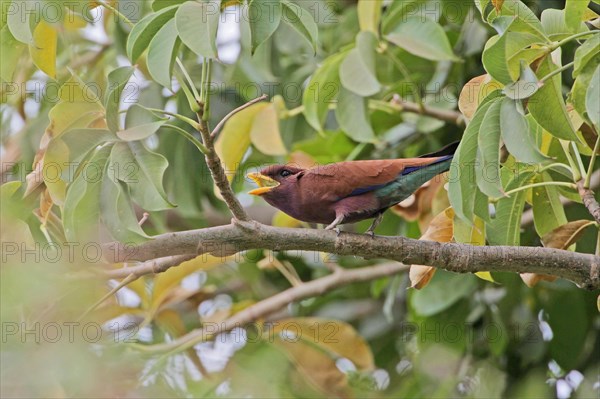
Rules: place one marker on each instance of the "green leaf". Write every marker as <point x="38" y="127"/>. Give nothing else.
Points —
<point x="265" y="134"/>
<point x="162" y="53"/>
<point x="548" y="106"/>
<point x="422" y="37"/>
<point x="585" y="53"/>
<point x="555" y="26"/>
<point x="516" y="134"/>
<point x="81" y="211"/>
<point x="11" y="50"/>
<point x="353" y="117"/>
<point x="143" y="32"/>
<point x="302" y="21"/>
<point x="505" y="227"/>
<point x="548" y="211"/>
<point x="592" y="99"/>
<point x="140" y="124"/>
<point x="503" y="54"/>
<point x="525" y="87"/>
<point x="357" y="71"/>
<point x="487" y="168"/>
<point x="21" y="23"/>
<point x="436" y="297"/>
<point x="264" y="17"/>
<point x="117" y="80"/>
<point x="142" y="170"/>
<point x="197" y="24"/>
<point x="574" y="10"/>
<point x="117" y="213"/>
<point x="578" y="95"/>
<point x="463" y="191"/>
<point x="369" y="15"/>
<point x="234" y="139"/>
<point x="322" y="89"/>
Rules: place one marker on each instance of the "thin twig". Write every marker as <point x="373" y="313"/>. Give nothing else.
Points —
<point x="445" y="115"/>
<point x="281" y="300"/>
<point x="153" y="266"/>
<point x="218" y="173"/>
<point x="235" y="111"/>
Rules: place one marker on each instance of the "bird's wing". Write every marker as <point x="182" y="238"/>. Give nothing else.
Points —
<point x="339" y="180"/>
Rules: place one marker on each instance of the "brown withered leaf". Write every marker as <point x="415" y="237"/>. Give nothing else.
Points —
<point x="566" y="235"/>
<point x="561" y="237"/>
<point x="474" y="91"/>
<point x="441" y="229"/>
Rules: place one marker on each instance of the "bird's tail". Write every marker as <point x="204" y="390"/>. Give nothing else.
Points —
<point x="450" y="149"/>
<point x="413" y="177"/>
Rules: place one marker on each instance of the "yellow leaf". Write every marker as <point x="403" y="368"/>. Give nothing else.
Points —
<point x="264" y="133"/>
<point x="167" y="283"/>
<point x="369" y="15"/>
<point x="334" y="337"/>
<point x="234" y="139"/>
<point x="73" y="21"/>
<point x="315" y="345"/>
<point x="485" y="276"/>
<point x="281" y="219"/>
<point x="43" y="49"/>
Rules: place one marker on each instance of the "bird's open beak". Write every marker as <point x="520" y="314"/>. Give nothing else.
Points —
<point x="265" y="183"/>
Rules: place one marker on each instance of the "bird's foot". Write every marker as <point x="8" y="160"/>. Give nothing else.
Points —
<point x="370" y="233"/>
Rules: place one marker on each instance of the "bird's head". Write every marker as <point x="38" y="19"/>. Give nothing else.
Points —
<point x="275" y="179"/>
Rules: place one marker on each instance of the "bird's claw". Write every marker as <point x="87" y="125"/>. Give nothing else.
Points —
<point x="371" y="233"/>
<point x="337" y="231"/>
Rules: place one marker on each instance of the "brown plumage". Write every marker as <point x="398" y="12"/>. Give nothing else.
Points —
<point x="346" y="192"/>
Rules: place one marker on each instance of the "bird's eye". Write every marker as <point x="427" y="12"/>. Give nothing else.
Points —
<point x="285" y="173"/>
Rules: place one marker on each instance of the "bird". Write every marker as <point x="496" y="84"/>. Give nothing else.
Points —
<point x="350" y="191"/>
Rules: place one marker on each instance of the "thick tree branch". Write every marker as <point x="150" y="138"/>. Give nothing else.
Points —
<point x="583" y="269"/>
<point x="449" y="116"/>
<point x="589" y="200"/>
<point x="340" y="278"/>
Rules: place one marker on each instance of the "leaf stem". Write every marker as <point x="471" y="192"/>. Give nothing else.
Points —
<point x="188" y="136"/>
<point x="235" y="111"/>
<point x="574" y="167"/>
<point x="206" y="85"/>
<point x="572" y="37"/>
<point x="582" y="169"/>
<point x="533" y="185"/>
<point x="562" y="165"/>
<point x="557" y="71"/>
<point x="182" y="118"/>
<point x="292" y="112"/>
<point x="586" y="183"/>
<point x="117" y="13"/>
<point x="188" y="78"/>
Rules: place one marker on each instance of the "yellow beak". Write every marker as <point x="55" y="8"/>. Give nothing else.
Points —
<point x="265" y="183"/>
